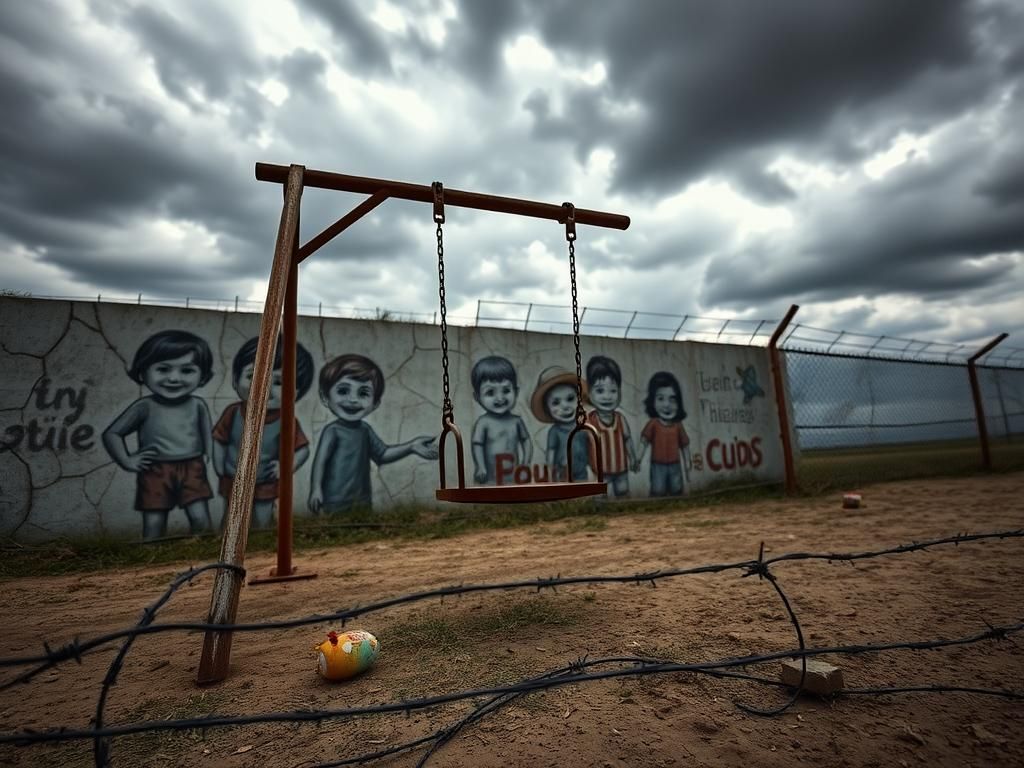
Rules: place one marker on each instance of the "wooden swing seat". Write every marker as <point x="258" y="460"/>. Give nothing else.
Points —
<point x="521" y="494"/>
<point x="529" y="493"/>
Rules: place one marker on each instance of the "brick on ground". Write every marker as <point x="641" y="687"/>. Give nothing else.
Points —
<point x="822" y="679"/>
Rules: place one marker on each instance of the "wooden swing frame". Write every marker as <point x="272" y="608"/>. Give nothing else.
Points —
<point x="282" y="298"/>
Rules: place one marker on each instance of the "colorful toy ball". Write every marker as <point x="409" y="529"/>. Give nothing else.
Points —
<point x="343" y="656"/>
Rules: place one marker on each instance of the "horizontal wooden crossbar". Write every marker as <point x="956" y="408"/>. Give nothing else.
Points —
<point x="423" y="193"/>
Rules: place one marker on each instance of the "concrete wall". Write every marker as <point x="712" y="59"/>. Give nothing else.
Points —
<point x="65" y="383"/>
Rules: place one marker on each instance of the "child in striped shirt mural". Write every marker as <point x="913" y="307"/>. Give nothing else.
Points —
<point x="604" y="382"/>
<point x="227" y="433"/>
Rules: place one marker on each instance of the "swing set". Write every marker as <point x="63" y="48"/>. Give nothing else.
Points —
<point x="282" y="298"/>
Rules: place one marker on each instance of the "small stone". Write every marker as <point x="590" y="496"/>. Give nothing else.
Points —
<point x="909" y="734"/>
<point x="822" y="679"/>
<point x="982" y="734"/>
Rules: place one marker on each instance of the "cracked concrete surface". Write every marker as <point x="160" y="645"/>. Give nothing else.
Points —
<point x="65" y="380"/>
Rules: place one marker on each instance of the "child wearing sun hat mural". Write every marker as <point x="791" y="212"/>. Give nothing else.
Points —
<point x="554" y="402"/>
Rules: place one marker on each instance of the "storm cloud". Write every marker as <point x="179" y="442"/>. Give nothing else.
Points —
<point x="863" y="159"/>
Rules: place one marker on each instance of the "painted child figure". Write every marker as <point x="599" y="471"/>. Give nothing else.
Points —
<point x="499" y="431"/>
<point x="665" y="434"/>
<point x="227" y="433"/>
<point x="173" y="431"/>
<point x="351" y="386"/>
<point x="604" y="379"/>
<point x="554" y="402"/>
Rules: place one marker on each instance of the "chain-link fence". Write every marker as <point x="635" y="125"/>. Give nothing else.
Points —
<point x="861" y="419"/>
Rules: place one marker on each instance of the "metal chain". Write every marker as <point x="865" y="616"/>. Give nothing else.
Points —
<point x="447" y="410"/>
<point x="570" y="236"/>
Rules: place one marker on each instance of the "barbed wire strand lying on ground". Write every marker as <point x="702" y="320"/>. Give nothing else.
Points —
<point x="76" y="648"/>
<point x="573" y="673"/>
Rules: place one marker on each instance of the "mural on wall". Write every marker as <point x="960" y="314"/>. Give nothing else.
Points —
<point x="351" y="387"/>
<point x="748" y="383"/>
<point x="707" y="414"/>
<point x="554" y="402"/>
<point x="172" y="429"/>
<point x="666" y="436"/>
<point x="604" y="382"/>
<point x="719" y="396"/>
<point x="227" y="432"/>
<point x="43" y="433"/>
<point x="501" y="442"/>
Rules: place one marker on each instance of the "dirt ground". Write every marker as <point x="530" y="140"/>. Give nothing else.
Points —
<point x="493" y="638"/>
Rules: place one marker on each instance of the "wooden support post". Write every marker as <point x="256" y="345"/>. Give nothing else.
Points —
<point x="216" y="656"/>
<point x="780" y="400"/>
<point x="979" y="407"/>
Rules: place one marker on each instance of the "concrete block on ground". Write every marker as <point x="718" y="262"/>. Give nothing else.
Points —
<point x="822" y="679"/>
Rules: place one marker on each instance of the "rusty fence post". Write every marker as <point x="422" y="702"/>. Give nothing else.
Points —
<point x="979" y="406"/>
<point x="780" y="400"/>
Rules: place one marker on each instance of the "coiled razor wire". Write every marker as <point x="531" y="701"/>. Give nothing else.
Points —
<point x="574" y="673"/>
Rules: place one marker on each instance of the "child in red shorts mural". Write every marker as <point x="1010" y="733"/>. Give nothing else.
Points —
<point x="172" y="426"/>
<point x="227" y="433"/>
<point x="665" y="434"/>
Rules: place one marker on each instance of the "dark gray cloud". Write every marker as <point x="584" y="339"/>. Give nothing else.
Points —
<point x="719" y="79"/>
<point x="480" y="34"/>
<point x="364" y="48"/>
<point x="137" y="116"/>
<point x="928" y="228"/>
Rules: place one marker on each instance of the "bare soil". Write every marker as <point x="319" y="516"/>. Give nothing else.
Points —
<point x="493" y="638"/>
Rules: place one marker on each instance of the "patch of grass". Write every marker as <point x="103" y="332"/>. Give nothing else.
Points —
<point x="195" y="705"/>
<point x="99" y="553"/>
<point x="822" y="471"/>
<point x="506" y="621"/>
<point x="585" y="524"/>
<point x="699" y="523"/>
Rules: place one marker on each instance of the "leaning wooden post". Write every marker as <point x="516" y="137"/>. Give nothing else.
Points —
<point x="979" y="407"/>
<point x="213" y="665"/>
<point x="780" y="400"/>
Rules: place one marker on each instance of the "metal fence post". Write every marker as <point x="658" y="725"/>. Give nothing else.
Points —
<point x="630" y="324"/>
<point x="780" y="400"/>
<point x="979" y="407"/>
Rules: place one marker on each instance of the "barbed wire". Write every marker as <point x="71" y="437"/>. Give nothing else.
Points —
<point x="499" y="695"/>
<point x="633" y="323"/>
<point x="643" y="667"/>
<point x="78" y="648"/>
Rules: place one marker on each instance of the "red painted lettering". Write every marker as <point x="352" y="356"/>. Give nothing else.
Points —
<point x="709" y="453"/>
<point x="729" y="456"/>
<point x="500" y="468"/>
<point x="755" y="446"/>
<point x="742" y="453"/>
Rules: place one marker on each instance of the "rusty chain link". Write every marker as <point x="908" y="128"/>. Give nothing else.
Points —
<point x="447" y="410"/>
<point x="570" y="236"/>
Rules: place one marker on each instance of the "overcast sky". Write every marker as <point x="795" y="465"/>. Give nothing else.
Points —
<point x="864" y="159"/>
